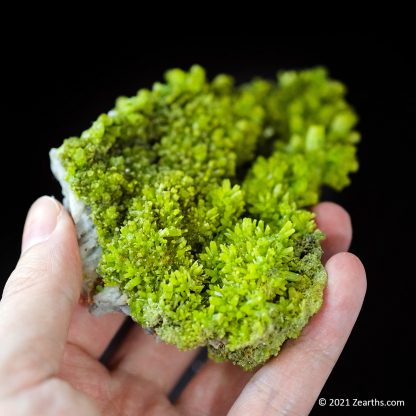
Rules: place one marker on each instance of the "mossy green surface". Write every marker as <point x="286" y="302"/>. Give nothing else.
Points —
<point x="212" y="243"/>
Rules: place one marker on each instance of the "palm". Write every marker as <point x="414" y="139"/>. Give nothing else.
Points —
<point x="116" y="392"/>
<point x="51" y="363"/>
<point x="139" y="377"/>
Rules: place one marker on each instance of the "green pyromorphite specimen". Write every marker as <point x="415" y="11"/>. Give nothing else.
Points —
<point x="212" y="243"/>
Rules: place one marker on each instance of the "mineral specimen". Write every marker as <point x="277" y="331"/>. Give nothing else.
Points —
<point x="191" y="203"/>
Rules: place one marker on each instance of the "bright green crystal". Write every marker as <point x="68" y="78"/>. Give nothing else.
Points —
<point x="212" y="243"/>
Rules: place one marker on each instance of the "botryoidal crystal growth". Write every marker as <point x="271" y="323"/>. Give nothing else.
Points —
<point x="191" y="203"/>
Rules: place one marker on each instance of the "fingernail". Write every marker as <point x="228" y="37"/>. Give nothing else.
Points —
<point x="40" y="222"/>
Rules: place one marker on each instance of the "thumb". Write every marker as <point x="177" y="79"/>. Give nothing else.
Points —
<point x="41" y="222"/>
<point x="39" y="297"/>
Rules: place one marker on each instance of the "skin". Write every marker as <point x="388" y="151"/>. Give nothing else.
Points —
<point x="49" y="359"/>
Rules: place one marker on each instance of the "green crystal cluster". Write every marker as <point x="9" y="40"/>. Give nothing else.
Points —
<point x="199" y="192"/>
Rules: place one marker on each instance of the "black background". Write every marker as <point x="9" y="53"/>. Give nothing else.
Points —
<point x="51" y="93"/>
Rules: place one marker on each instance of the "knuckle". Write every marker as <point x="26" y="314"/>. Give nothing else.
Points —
<point x="319" y="352"/>
<point x="276" y="398"/>
<point x="38" y="275"/>
<point x="25" y="277"/>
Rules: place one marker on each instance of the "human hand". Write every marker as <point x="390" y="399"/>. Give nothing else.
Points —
<point x="49" y="355"/>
